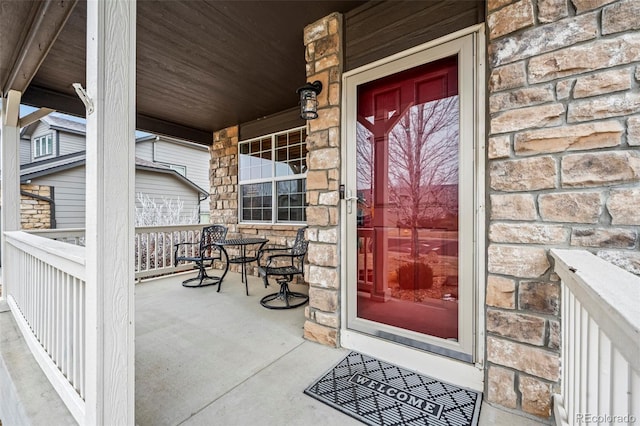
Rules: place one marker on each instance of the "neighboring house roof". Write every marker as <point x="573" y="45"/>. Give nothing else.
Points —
<point x="60" y="123"/>
<point x="52" y="165"/>
<point x="57" y="122"/>
<point x="146" y="138"/>
<point x="64" y="162"/>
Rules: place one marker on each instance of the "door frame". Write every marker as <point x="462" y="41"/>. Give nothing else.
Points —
<point x="462" y="373"/>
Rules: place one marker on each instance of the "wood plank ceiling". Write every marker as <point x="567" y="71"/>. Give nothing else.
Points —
<point x="201" y="65"/>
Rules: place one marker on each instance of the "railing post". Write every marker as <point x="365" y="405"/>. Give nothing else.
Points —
<point x="600" y="341"/>
<point x="111" y="62"/>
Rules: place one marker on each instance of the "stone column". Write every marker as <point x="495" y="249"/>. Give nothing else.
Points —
<point x="224" y="178"/>
<point x="323" y="43"/>
<point x="563" y="164"/>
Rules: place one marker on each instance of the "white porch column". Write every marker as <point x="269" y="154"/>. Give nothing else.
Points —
<point x="10" y="175"/>
<point x="111" y="62"/>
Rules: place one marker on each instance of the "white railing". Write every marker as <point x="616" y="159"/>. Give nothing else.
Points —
<point x="154" y="246"/>
<point x="600" y="341"/>
<point x="154" y="249"/>
<point x="47" y="298"/>
<point x="73" y="236"/>
<point x="47" y="294"/>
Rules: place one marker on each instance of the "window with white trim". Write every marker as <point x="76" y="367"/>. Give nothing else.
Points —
<point x="43" y="146"/>
<point x="178" y="168"/>
<point x="272" y="175"/>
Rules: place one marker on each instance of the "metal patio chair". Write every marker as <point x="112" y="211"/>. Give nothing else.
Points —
<point x="207" y="253"/>
<point x="285" y="263"/>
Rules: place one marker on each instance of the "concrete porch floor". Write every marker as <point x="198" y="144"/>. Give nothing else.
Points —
<point x="207" y="358"/>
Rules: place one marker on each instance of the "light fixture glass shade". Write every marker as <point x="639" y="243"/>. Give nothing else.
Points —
<point x="309" y="100"/>
<point x="308" y="105"/>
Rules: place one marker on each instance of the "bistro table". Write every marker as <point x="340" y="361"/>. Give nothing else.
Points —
<point x="243" y="258"/>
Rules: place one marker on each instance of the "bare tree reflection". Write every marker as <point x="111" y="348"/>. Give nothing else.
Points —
<point x="423" y="172"/>
<point x="364" y="177"/>
<point x="422" y="168"/>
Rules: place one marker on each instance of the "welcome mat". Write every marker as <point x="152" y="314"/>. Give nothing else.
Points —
<point x="379" y="393"/>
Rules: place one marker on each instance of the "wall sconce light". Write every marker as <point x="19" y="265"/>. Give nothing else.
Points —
<point x="309" y="100"/>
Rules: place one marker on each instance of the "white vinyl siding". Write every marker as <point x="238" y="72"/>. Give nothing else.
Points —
<point x="144" y="150"/>
<point x="25" y="151"/>
<point x="66" y="143"/>
<point x="195" y="159"/>
<point x="69" y="192"/>
<point x="161" y="185"/>
<point x="70" y="142"/>
<point x="41" y="129"/>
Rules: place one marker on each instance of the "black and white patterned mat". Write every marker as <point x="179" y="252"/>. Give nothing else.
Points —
<point x="379" y="393"/>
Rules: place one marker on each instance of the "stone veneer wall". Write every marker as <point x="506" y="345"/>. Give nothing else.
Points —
<point x="323" y="44"/>
<point x="223" y="177"/>
<point x="564" y="168"/>
<point x="34" y="212"/>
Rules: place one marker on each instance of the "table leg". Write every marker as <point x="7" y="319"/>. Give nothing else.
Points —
<point x="244" y="269"/>
<point x="226" y="266"/>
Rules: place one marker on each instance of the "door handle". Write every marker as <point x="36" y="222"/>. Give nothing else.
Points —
<point x="349" y="199"/>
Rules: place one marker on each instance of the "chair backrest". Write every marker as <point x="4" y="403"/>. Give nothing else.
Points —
<point x="211" y="234"/>
<point x="300" y="245"/>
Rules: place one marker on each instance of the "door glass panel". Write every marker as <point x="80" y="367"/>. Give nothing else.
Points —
<point x="407" y="145"/>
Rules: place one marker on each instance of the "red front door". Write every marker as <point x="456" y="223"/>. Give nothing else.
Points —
<point x="407" y="147"/>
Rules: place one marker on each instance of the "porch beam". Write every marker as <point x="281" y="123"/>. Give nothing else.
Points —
<point x="10" y="141"/>
<point x="111" y="84"/>
<point x="11" y="106"/>
<point x="65" y="103"/>
<point x="167" y="128"/>
<point x="49" y="17"/>
<point x="62" y="102"/>
<point x="34" y="116"/>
